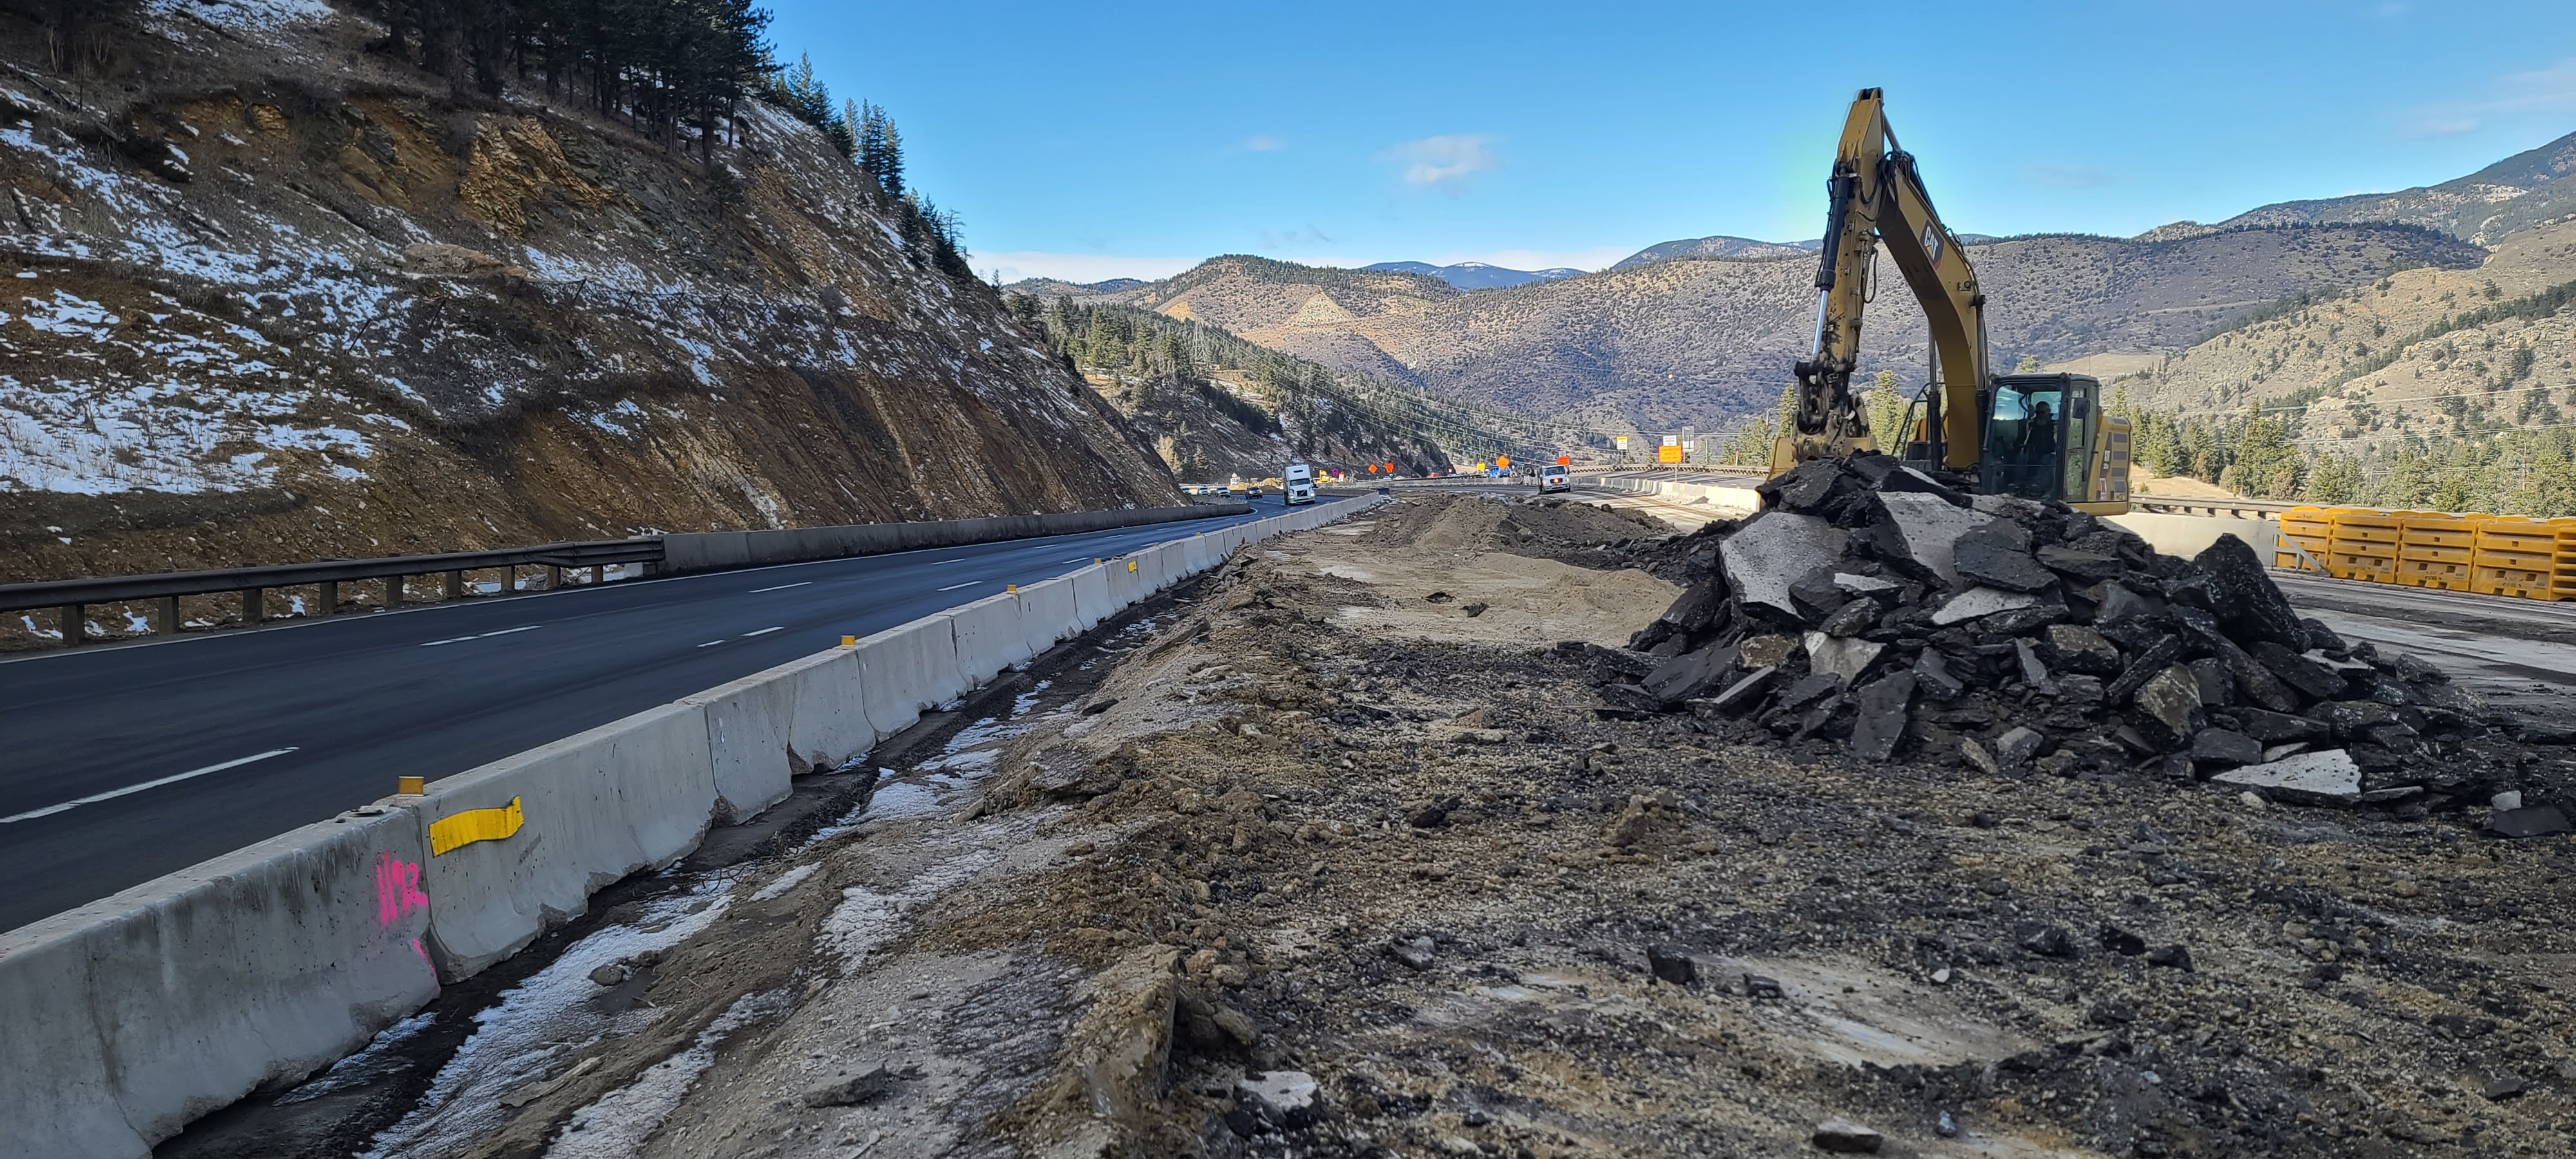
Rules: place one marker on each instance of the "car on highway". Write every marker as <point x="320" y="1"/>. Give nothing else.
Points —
<point x="1552" y="477"/>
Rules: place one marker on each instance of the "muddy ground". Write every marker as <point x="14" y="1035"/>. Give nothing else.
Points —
<point x="1347" y="812"/>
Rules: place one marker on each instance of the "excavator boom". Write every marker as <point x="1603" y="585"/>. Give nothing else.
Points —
<point x="2056" y="443"/>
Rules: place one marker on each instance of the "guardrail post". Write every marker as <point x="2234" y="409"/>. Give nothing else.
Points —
<point x="168" y="624"/>
<point x="393" y="592"/>
<point x="554" y="577"/>
<point x="456" y="585"/>
<point x="330" y="598"/>
<point x="255" y="605"/>
<point x="75" y="630"/>
<point x="596" y="575"/>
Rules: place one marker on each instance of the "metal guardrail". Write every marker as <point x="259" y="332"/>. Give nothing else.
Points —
<point x="69" y="597"/>
<point x="2226" y="508"/>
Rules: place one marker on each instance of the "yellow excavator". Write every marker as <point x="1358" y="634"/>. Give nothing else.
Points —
<point x="2038" y="436"/>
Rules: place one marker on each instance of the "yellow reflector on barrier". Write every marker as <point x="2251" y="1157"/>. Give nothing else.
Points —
<point x="1131" y="565"/>
<point x="474" y="825"/>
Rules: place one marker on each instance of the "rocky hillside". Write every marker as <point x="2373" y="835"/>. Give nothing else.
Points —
<point x="2416" y="352"/>
<point x="2530" y="188"/>
<point x="1703" y="340"/>
<point x="279" y="298"/>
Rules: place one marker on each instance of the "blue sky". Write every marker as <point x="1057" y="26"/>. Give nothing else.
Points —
<point x="1091" y="140"/>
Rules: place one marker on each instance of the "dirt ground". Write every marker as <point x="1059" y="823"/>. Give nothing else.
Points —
<point x="1325" y="819"/>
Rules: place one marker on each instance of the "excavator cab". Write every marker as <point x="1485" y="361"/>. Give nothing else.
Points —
<point x="2040" y="437"/>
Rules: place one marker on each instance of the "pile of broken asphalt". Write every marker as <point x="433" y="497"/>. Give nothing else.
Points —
<point x="1876" y="606"/>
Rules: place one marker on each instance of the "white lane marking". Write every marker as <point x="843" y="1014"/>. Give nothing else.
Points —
<point x="967" y="584"/>
<point x="780" y="588"/>
<point x="710" y="643"/>
<point x="937" y="562"/>
<point x="112" y="794"/>
<point x="1080" y="559"/>
<point x="764" y="631"/>
<point x="484" y="636"/>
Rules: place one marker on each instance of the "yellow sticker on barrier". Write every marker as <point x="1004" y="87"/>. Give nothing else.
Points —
<point x="474" y="825"/>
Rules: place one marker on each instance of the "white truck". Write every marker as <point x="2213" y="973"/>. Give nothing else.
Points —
<point x="1552" y="478"/>
<point x="1299" y="482"/>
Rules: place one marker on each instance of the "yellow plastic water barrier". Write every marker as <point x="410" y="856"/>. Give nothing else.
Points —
<point x="2434" y="549"/>
<point x="2363" y="545"/>
<point x="2529" y="558"/>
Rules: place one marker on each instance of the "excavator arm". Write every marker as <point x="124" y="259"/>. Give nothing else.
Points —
<point x="1876" y="196"/>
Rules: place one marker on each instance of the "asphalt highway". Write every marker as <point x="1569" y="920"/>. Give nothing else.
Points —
<point x="122" y="764"/>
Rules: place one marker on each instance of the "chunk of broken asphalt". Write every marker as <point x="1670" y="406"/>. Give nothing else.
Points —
<point x="2043" y="939"/>
<point x="1411" y="953"/>
<point x="2327" y="777"/>
<point x="1880" y="726"/>
<point x="2529" y="821"/>
<point x="1671" y="964"/>
<point x="2218" y="746"/>
<point x="854" y="1089"/>
<point x="1282" y="1098"/>
<point x="1844" y="1137"/>
<point x="1998" y="555"/>
<point x="1776" y="549"/>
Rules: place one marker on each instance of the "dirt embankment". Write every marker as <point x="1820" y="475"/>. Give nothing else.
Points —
<point x="278" y="299"/>
<point x="1345" y="854"/>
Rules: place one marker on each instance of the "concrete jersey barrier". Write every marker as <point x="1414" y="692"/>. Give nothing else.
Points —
<point x="1049" y="614"/>
<point x="1091" y="596"/>
<point x="766" y="728"/>
<point x="907" y="668"/>
<point x="721" y="550"/>
<point x="128" y="1018"/>
<point x="988" y="637"/>
<point x="123" y="1020"/>
<point x="518" y="846"/>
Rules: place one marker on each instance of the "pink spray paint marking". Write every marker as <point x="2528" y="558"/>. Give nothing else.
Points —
<point x="398" y="889"/>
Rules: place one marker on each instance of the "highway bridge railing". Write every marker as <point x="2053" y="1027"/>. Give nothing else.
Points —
<point x="635" y="557"/>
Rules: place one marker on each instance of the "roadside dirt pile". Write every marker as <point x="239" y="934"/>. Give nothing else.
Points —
<point x="1874" y="605"/>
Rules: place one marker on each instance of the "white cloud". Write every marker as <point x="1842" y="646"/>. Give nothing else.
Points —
<point x="1445" y="162"/>
<point x="1598" y="257"/>
<point x="1264" y="143"/>
<point x="1085" y="268"/>
<point x="2540" y="90"/>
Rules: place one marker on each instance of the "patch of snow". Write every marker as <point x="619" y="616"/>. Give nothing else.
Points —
<point x="866" y="919"/>
<point x="619" y="1124"/>
<point x="787" y="881"/>
<point x="536" y="1024"/>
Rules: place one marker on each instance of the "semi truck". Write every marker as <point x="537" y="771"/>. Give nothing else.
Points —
<point x="1299" y="484"/>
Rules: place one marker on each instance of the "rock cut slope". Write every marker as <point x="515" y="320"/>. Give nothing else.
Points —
<point x="278" y="298"/>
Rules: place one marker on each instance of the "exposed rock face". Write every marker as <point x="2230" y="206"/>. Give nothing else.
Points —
<point x="367" y="318"/>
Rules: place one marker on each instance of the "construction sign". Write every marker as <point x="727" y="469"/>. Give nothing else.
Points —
<point x="1565" y="460"/>
<point x="1503" y="462"/>
<point x="1669" y="453"/>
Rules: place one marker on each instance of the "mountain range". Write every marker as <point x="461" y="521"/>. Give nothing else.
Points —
<point x="1478" y="275"/>
<point x="1701" y="331"/>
